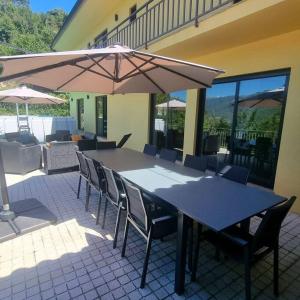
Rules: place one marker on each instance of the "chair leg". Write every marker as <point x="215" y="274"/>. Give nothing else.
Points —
<point x="125" y="238"/>
<point x="191" y="248"/>
<point x="196" y="254"/>
<point x="149" y="242"/>
<point x="79" y="185"/>
<point x="99" y="207"/>
<point x="88" y="193"/>
<point x="276" y="271"/>
<point x="117" y="227"/>
<point x="104" y="213"/>
<point x="247" y="273"/>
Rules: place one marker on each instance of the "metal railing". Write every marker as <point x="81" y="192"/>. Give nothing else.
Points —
<point x="157" y="18"/>
<point x="247" y="135"/>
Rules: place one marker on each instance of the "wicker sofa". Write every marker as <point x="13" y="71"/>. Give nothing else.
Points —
<point x="20" y="158"/>
<point x="60" y="157"/>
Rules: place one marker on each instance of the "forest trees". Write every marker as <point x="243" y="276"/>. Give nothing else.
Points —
<point x="23" y="31"/>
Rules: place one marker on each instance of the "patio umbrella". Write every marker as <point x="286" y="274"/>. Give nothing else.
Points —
<point x="27" y="96"/>
<point x="112" y="70"/>
<point x="267" y="99"/>
<point x="173" y="103"/>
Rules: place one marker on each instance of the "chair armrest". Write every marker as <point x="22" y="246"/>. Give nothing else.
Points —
<point x="234" y="239"/>
<point x="162" y="219"/>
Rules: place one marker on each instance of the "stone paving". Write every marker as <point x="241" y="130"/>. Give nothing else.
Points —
<point x="75" y="260"/>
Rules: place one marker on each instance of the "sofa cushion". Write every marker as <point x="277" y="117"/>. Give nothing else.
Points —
<point x="11" y="136"/>
<point x="89" y="135"/>
<point x="26" y="139"/>
<point x="76" y="137"/>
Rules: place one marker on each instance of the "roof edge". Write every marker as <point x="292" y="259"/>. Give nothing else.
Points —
<point x="68" y="19"/>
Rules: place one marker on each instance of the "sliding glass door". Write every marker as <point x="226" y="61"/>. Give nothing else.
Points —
<point x="167" y="121"/>
<point x="242" y="123"/>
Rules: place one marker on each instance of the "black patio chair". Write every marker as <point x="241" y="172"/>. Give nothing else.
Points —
<point x="96" y="180"/>
<point x="83" y="171"/>
<point x="150" y="149"/>
<point x="150" y="224"/>
<point x="115" y="195"/>
<point x="235" y="173"/>
<point x="248" y="248"/>
<point x="211" y="144"/>
<point x="123" y="140"/>
<point x="168" y="154"/>
<point x="195" y="162"/>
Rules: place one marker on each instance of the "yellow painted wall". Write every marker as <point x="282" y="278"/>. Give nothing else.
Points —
<point x="129" y="114"/>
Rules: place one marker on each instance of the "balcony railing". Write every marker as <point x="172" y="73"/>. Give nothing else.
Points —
<point x="158" y="18"/>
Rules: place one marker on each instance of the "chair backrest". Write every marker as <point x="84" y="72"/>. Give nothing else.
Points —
<point x="235" y="173"/>
<point x="195" y="162"/>
<point x="83" y="168"/>
<point x="105" y="145"/>
<point x="135" y="205"/>
<point x="62" y="135"/>
<point x="267" y="233"/>
<point x="95" y="171"/>
<point x="111" y="185"/>
<point x="150" y="149"/>
<point x="168" y="154"/>
<point x="123" y="140"/>
<point x="212" y="162"/>
<point x="211" y="144"/>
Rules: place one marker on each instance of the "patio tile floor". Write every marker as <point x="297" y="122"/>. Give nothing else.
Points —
<point x="75" y="260"/>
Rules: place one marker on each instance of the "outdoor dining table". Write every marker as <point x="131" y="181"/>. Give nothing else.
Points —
<point x="211" y="200"/>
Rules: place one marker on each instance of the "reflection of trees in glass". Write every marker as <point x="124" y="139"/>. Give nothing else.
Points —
<point x="213" y="123"/>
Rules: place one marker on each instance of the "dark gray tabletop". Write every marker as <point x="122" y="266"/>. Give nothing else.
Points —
<point x="211" y="200"/>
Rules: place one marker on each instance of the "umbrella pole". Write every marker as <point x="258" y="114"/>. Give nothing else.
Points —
<point x="17" y="109"/>
<point x="6" y="214"/>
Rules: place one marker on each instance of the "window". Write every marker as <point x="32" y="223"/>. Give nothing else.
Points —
<point x="242" y="120"/>
<point x="167" y="121"/>
<point x="80" y="114"/>
<point x="132" y="13"/>
<point x="101" y="39"/>
<point x="101" y="116"/>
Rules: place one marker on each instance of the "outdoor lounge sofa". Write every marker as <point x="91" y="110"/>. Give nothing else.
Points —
<point x="19" y="158"/>
<point x="60" y="157"/>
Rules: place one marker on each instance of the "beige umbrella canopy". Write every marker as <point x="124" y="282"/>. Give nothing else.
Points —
<point x="112" y="70"/>
<point x="267" y="99"/>
<point x="26" y="95"/>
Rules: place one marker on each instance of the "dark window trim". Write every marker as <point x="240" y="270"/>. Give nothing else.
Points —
<point x="151" y="117"/>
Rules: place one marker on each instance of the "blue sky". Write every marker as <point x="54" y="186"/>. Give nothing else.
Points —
<point x="45" y="5"/>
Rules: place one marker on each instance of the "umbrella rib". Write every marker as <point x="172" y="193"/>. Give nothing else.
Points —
<point x="92" y="71"/>
<point x="83" y="71"/>
<point x="135" y="74"/>
<point x="101" y="67"/>
<point x="44" y="68"/>
<point x="129" y="74"/>
<point x="146" y="75"/>
<point x="174" y="72"/>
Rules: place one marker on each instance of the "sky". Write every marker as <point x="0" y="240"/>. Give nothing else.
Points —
<point x="46" y="5"/>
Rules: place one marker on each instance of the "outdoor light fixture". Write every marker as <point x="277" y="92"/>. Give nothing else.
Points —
<point x="87" y="96"/>
<point x="116" y="17"/>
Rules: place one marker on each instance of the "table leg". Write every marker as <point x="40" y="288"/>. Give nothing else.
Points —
<point x="182" y="230"/>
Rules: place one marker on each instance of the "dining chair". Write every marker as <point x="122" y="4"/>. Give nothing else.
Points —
<point x="250" y="248"/>
<point x="195" y="162"/>
<point x="150" y="224"/>
<point x="96" y="180"/>
<point x="115" y="195"/>
<point x="123" y="140"/>
<point x="150" y="149"/>
<point x="235" y="173"/>
<point x="168" y="154"/>
<point x="83" y="171"/>
<point x="211" y="144"/>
